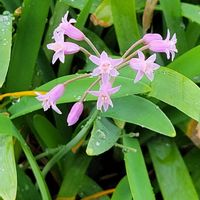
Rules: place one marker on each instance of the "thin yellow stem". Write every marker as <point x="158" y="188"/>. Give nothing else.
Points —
<point x="20" y="94"/>
<point x="99" y="194"/>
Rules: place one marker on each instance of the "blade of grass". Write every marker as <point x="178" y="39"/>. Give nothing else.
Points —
<point x="125" y="23"/>
<point x="74" y="176"/>
<point x="11" y="5"/>
<point x="173" y="177"/>
<point x="27" y="43"/>
<point x="136" y="171"/>
<point x="122" y="190"/>
<point x="5" y="45"/>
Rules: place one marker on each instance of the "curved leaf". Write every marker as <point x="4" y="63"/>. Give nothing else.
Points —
<point x="136" y="171"/>
<point x="191" y="12"/>
<point x="122" y="190"/>
<point x="140" y="111"/>
<point x="188" y="63"/>
<point x="74" y="92"/>
<point x="103" y="137"/>
<point x="177" y="90"/>
<point x="173" y="177"/>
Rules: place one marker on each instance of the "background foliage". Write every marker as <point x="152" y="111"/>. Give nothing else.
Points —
<point x="146" y="147"/>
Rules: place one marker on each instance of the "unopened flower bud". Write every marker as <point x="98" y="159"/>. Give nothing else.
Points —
<point x="75" y="113"/>
<point x="149" y="37"/>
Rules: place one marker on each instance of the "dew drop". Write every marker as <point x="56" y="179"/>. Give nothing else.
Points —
<point x="97" y="143"/>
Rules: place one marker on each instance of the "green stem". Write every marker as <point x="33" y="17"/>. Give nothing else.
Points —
<point x="36" y="170"/>
<point x="87" y="40"/>
<point x="132" y="47"/>
<point x="65" y="149"/>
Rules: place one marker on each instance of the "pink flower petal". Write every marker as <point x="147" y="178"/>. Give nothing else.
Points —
<point x="140" y="55"/>
<point x="95" y="59"/>
<point x="104" y="56"/>
<point x="56" y="109"/>
<point x="139" y="76"/>
<point x="116" y="62"/>
<point x="150" y="75"/>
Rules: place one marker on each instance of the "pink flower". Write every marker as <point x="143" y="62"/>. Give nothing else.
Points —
<point x="167" y="46"/>
<point x="144" y="67"/>
<point x="61" y="48"/>
<point x="49" y="99"/>
<point x="106" y="66"/>
<point x="149" y="37"/>
<point x="75" y="113"/>
<point x="68" y="29"/>
<point x="104" y="95"/>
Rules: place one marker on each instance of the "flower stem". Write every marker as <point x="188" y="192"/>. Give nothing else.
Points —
<point x="132" y="47"/>
<point x="127" y="59"/>
<point x="76" y="78"/>
<point x="135" y="52"/>
<point x="66" y="148"/>
<point x="92" y="46"/>
<point x="85" y="51"/>
<point x="91" y="86"/>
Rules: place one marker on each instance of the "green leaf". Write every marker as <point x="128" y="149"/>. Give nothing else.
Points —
<point x="73" y="93"/>
<point x="192" y="33"/>
<point x="5" y="45"/>
<point x="122" y="190"/>
<point x="173" y="177"/>
<point x="103" y="15"/>
<point x="74" y="176"/>
<point x="125" y="23"/>
<point x="10" y="5"/>
<point x="173" y="17"/>
<point x="47" y="133"/>
<point x="178" y="91"/>
<point x="8" y="175"/>
<point x="192" y="161"/>
<point x="26" y="190"/>
<point x="103" y="137"/>
<point x="191" y="12"/>
<point x="81" y="3"/>
<point x="188" y="63"/>
<point x="140" y="111"/>
<point x="8" y="129"/>
<point x="88" y="187"/>
<point x="27" y="43"/>
<point x="136" y="171"/>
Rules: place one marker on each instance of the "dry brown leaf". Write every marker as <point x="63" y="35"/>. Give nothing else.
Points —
<point x="148" y="14"/>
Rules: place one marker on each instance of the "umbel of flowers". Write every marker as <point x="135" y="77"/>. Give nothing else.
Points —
<point x="107" y="68"/>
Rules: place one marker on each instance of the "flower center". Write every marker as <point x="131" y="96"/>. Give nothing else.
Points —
<point x="105" y="67"/>
<point x="104" y="97"/>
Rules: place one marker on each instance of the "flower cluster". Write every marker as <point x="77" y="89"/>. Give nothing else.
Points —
<point x="107" y="68"/>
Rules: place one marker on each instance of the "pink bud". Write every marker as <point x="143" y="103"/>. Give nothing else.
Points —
<point x="149" y="37"/>
<point x="75" y="113"/>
